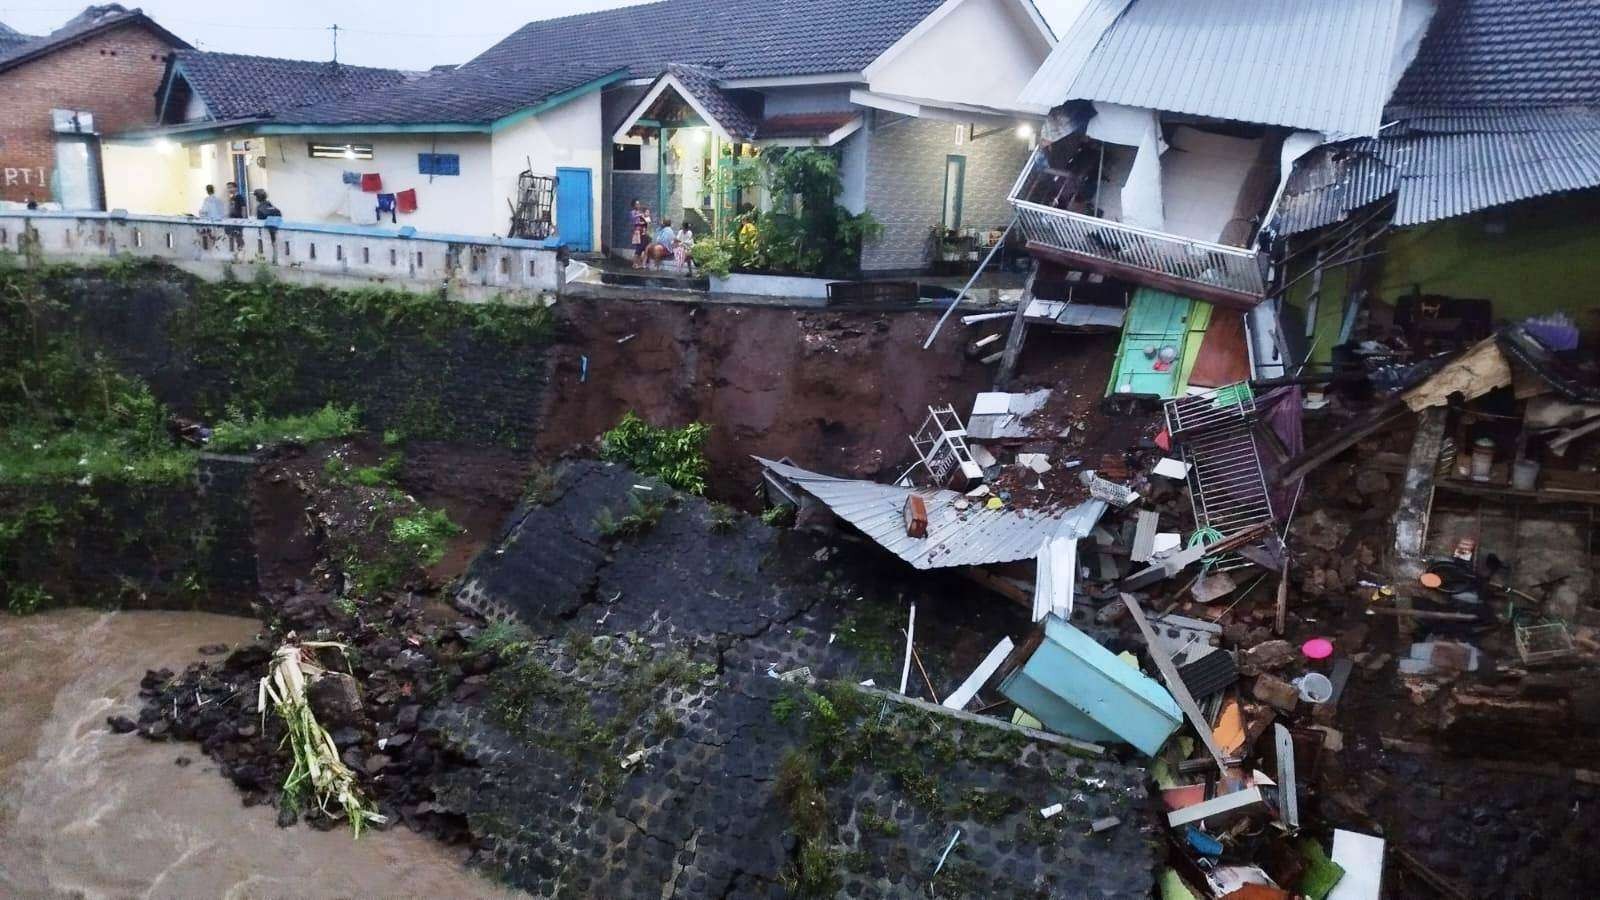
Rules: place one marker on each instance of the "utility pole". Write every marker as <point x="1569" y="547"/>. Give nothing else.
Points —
<point x="335" y="30"/>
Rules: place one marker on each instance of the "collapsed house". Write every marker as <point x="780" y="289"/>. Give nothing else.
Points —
<point x="1265" y="238"/>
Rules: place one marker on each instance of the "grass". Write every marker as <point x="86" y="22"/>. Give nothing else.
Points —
<point x="425" y="534"/>
<point x="640" y="516"/>
<point x="243" y="434"/>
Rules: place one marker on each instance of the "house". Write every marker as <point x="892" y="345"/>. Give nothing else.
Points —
<point x="64" y="91"/>
<point x="1172" y="128"/>
<point x="1475" y="204"/>
<point x="649" y="101"/>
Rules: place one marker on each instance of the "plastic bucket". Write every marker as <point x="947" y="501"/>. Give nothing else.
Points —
<point x="1525" y="474"/>
<point x="1314" y="688"/>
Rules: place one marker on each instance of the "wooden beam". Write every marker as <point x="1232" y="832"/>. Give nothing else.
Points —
<point x="1366" y="426"/>
<point x="1015" y="340"/>
<point x="1198" y="290"/>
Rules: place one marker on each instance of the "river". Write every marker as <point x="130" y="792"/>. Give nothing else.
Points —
<point x="88" y="813"/>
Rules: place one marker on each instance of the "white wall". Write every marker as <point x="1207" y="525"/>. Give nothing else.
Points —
<point x="982" y="53"/>
<point x="146" y="178"/>
<point x="312" y="190"/>
<point x="569" y="136"/>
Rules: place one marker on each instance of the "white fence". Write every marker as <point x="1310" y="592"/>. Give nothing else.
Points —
<point x="460" y="267"/>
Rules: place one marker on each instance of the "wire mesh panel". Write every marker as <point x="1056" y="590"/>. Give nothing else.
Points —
<point x="1225" y="405"/>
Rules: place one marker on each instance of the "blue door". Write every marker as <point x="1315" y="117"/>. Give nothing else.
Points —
<point x="575" y="208"/>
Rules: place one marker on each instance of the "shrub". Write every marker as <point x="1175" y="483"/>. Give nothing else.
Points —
<point x="675" y="455"/>
<point x="425" y="533"/>
<point x="240" y="433"/>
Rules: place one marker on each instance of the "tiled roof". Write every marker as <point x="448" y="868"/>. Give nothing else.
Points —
<point x="10" y="38"/>
<point x="462" y="96"/>
<point x="234" y="86"/>
<point x="718" y="103"/>
<point x="740" y="38"/>
<point x="1507" y="53"/>
<point x="93" y="20"/>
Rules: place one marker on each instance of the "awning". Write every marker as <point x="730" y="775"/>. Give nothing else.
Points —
<point x="823" y="129"/>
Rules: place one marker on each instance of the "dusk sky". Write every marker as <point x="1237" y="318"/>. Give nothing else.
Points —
<point x="401" y="34"/>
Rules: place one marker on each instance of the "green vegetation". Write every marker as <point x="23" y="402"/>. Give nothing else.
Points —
<point x="425" y="534"/>
<point x="239" y="433"/>
<point x="640" y="516"/>
<point x="806" y="231"/>
<point x="815" y="869"/>
<point x="675" y="455"/>
<point x="723" y="518"/>
<point x="780" y="516"/>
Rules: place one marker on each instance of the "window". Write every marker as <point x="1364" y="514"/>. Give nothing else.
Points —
<point x="340" y="151"/>
<point x="438" y="164"/>
<point x="627" y="157"/>
<point x="955" y="176"/>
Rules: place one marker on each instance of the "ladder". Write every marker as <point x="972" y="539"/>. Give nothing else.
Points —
<point x="941" y="443"/>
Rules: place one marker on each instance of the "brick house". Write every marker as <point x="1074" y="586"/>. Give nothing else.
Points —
<point x="94" y="75"/>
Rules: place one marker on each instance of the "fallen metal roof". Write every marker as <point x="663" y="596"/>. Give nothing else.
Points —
<point x="1438" y="164"/>
<point x="971" y="537"/>
<point x="1075" y="315"/>
<point x="1311" y="64"/>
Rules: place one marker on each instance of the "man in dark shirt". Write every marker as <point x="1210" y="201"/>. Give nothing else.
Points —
<point x="236" y="210"/>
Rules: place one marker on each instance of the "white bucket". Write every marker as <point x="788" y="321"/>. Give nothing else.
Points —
<point x="1525" y="474"/>
<point x="1314" y="687"/>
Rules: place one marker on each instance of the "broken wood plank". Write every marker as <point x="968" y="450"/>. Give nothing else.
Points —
<point x="1280" y="618"/>
<point x="905" y="669"/>
<point x="986" y="669"/>
<point x="1310" y="458"/>
<point x="1416" y="493"/>
<point x="1047" y="737"/>
<point x="1180" y="691"/>
<point x="1423" y="614"/>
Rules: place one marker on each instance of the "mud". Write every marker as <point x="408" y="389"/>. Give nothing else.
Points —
<point x="88" y="813"/>
<point x="837" y="392"/>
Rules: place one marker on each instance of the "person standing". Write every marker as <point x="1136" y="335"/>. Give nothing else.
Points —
<point x="211" y="206"/>
<point x="265" y="210"/>
<point x="638" y="231"/>
<point x="236" y="210"/>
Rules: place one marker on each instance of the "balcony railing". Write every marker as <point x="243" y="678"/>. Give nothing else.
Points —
<point x="1209" y="270"/>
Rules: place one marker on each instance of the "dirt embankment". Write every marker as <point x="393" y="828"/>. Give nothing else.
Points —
<point x="838" y="392"/>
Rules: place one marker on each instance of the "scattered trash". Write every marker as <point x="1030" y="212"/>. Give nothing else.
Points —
<point x="946" y="854"/>
<point x="1314" y="687"/>
<point x="1051" y="811"/>
<point x="1175" y="469"/>
<point x="986" y="669"/>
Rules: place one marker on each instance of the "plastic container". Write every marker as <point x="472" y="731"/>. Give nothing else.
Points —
<point x="1525" y="474"/>
<point x="1314" y="687"/>
<point x="1482" y="459"/>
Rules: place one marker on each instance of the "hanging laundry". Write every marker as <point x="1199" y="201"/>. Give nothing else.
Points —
<point x="406" y="200"/>
<point x="386" y="205"/>
<point x="372" y="182"/>
<point x="352" y="177"/>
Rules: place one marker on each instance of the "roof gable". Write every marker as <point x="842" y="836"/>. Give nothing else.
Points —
<point x="739" y="38"/>
<point x="92" y="21"/>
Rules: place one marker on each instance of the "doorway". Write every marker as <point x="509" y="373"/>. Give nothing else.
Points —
<point x="575" y="208"/>
<point x="955" y="177"/>
<point x="78" y="184"/>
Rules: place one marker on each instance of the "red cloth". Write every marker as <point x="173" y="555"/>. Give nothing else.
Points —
<point x="406" y="200"/>
<point x="372" y="183"/>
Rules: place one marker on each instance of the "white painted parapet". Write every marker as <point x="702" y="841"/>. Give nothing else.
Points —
<point x="460" y="267"/>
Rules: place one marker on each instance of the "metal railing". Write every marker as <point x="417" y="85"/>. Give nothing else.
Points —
<point x="1237" y="269"/>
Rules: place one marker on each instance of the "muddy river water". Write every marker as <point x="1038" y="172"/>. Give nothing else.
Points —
<point x="88" y="813"/>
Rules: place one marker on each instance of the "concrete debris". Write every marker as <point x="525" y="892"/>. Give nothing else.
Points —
<point x="1276" y="692"/>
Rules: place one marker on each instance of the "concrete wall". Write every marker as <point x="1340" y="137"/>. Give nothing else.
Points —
<point x="982" y="53"/>
<point x="905" y="183"/>
<point x="150" y="178"/>
<point x="312" y="190"/>
<point x="462" y="269"/>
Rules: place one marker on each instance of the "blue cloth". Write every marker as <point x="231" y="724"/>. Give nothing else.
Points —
<point x="352" y="178"/>
<point x="438" y="164"/>
<point x="386" y="205"/>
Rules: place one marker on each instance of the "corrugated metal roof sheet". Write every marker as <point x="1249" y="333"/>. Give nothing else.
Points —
<point x="1441" y="163"/>
<point x="972" y="537"/>
<point x="1311" y="64"/>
